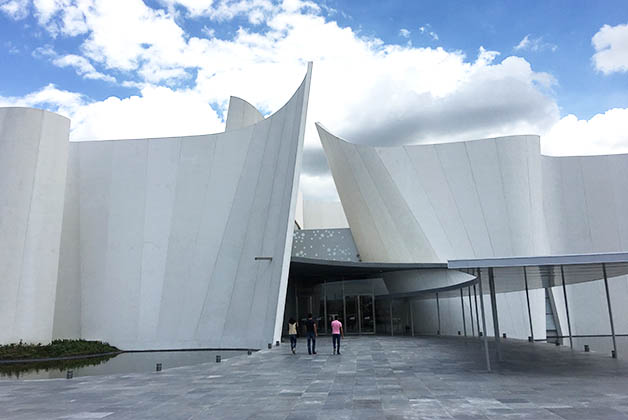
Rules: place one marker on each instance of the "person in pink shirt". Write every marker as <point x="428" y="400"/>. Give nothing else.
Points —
<point x="336" y="332"/>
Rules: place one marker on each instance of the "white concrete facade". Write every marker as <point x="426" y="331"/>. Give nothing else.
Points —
<point x="159" y="236"/>
<point x="33" y="161"/>
<point x="485" y="198"/>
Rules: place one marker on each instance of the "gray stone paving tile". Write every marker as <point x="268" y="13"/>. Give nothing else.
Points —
<point x="375" y="378"/>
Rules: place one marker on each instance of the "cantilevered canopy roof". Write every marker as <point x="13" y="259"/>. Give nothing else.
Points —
<point x="309" y="268"/>
<point x="545" y="271"/>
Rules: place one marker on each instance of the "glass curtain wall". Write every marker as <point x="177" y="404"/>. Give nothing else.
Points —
<point x="355" y="305"/>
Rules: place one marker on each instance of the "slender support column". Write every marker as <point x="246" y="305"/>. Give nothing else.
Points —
<point x="438" y="313"/>
<point x="391" y="318"/>
<point x="325" y="304"/>
<point x="464" y="321"/>
<point x="610" y="311"/>
<point x="471" y="313"/>
<point x="477" y="315"/>
<point x="491" y="285"/>
<point x="525" y="278"/>
<point x="488" y="358"/>
<point x="296" y="301"/>
<point x="344" y="305"/>
<point x="562" y="276"/>
<point x="411" y="306"/>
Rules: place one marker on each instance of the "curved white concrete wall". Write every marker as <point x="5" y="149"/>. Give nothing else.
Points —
<point x="241" y="114"/>
<point x="33" y="162"/>
<point x="478" y="199"/>
<point x="162" y="235"/>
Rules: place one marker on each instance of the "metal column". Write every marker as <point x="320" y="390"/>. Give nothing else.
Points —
<point x="471" y="312"/>
<point x="391" y="318"/>
<point x="325" y="304"/>
<point x="344" y="305"/>
<point x="610" y="311"/>
<point x="464" y="321"/>
<point x="296" y="301"/>
<point x="491" y="285"/>
<point x="477" y="316"/>
<point x="411" y="316"/>
<point x="525" y="278"/>
<point x="562" y="276"/>
<point x="488" y="358"/>
<point x="438" y="313"/>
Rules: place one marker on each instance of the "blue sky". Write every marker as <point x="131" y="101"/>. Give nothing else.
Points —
<point x="385" y="72"/>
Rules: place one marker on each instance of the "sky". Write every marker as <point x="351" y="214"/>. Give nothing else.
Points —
<point x="385" y="72"/>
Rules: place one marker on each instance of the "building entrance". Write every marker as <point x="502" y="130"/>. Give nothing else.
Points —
<point x="351" y="301"/>
<point x="360" y="314"/>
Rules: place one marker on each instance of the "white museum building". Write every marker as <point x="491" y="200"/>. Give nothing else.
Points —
<point x="204" y="241"/>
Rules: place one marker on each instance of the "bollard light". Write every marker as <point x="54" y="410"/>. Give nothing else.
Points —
<point x="217" y="358"/>
<point x="557" y="343"/>
<point x="277" y="343"/>
<point x="458" y="332"/>
<point x="249" y="352"/>
<point x="586" y="348"/>
<point x="504" y="335"/>
<point x="481" y="333"/>
<point x="438" y="332"/>
<point x="270" y="346"/>
<point x="69" y="374"/>
<point x="158" y="367"/>
<point x="530" y="339"/>
<point x="613" y="354"/>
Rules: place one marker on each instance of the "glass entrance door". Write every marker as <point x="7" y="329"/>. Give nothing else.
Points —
<point x="367" y="321"/>
<point x="352" y="325"/>
<point x="359" y="314"/>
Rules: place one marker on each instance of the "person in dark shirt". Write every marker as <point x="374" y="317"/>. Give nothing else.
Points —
<point x="311" y="333"/>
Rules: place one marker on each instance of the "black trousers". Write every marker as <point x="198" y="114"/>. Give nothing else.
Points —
<point x="335" y="338"/>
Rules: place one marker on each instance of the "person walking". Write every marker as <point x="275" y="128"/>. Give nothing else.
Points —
<point x="311" y="332"/>
<point x="292" y="332"/>
<point x="336" y="332"/>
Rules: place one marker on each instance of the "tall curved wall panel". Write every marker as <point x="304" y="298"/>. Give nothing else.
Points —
<point x="168" y="230"/>
<point x="478" y="199"/>
<point x="33" y="161"/>
<point x="241" y="114"/>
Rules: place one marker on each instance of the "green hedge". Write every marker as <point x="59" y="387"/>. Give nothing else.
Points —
<point x="58" y="348"/>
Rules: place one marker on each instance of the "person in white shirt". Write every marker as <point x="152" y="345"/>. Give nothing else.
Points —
<point x="292" y="332"/>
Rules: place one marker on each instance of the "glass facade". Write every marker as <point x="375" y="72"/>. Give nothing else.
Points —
<point x="354" y="303"/>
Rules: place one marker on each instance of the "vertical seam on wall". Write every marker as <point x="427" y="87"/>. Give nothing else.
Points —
<point x="248" y="222"/>
<point x="453" y="196"/>
<point x="172" y="218"/>
<point x="531" y="218"/>
<point x="28" y="218"/>
<point x="501" y="177"/>
<point x="429" y="200"/>
<point x="586" y="202"/>
<point x="383" y="201"/>
<point x="78" y="245"/>
<point x="143" y="239"/>
<point x="479" y="198"/>
<point x="405" y="202"/>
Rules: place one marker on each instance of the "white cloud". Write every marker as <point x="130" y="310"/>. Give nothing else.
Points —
<point x="605" y="133"/>
<point x="426" y="29"/>
<point x="404" y="33"/>
<point x="82" y="67"/>
<point x="362" y="89"/>
<point x="158" y="112"/>
<point x="15" y="9"/>
<point x="534" y="45"/>
<point x="611" y="46"/>
<point x="48" y="97"/>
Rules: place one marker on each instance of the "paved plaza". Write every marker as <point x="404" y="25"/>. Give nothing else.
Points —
<point x="374" y="378"/>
